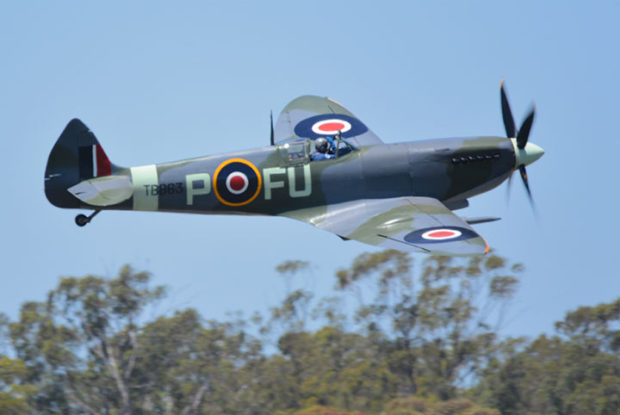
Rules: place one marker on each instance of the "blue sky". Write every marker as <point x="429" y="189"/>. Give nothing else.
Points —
<point x="160" y="82"/>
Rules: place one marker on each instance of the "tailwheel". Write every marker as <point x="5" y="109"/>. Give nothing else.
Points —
<point x="82" y="220"/>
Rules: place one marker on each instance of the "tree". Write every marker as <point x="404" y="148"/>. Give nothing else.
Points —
<point x="576" y="372"/>
<point x="86" y="351"/>
<point x="188" y="368"/>
<point x="407" y="336"/>
<point x="385" y="339"/>
<point x="14" y="392"/>
<point x="81" y="345"/>
<point x="434" y="332"/>
<point x="14" y="389"/>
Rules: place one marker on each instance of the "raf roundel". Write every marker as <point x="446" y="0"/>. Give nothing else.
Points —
<point x="236" y="182"/>
<point x="440" y="234"/>
<point x="329" y="125"/>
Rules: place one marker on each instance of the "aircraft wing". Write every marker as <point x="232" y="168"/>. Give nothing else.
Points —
<point x="419" y="224"/>
<point x="312" y="117"/>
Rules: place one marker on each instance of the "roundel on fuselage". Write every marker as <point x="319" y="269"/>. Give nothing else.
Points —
<point x="236" y="182"/>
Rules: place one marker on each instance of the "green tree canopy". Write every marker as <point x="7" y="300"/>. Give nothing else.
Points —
<point x="576" y="372"/>
<point x="395" y="338"/>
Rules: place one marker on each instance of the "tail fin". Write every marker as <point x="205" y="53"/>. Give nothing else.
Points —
<point x="76" y="156"/>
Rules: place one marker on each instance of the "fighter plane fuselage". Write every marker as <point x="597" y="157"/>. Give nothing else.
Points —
<point x="449" y="170"/>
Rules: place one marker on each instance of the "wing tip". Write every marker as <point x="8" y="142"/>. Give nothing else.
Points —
<point x="334" y="101"/>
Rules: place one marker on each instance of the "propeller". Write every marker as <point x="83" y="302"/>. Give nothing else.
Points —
<point x="521" y="136"/>
<point x="271" y="120"/>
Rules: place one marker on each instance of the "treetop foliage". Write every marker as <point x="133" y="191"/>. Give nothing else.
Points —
<point x="393" y="339"/>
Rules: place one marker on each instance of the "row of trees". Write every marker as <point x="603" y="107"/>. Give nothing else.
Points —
<point x="386" y="342"/>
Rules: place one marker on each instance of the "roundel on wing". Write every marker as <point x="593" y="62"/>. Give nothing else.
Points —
<point x="329" y="125"/>
<point x="236" y="182"/>
<point x="440" y="234"/>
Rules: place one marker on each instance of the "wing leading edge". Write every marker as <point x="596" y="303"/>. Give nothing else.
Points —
<point x="419" y="224"/>
<point x="312" y="117"/>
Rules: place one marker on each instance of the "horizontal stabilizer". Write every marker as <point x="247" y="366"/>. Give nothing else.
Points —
<point x="103" y="191"/>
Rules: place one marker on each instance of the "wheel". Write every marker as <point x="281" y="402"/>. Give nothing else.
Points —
<point x="81" y="220"/>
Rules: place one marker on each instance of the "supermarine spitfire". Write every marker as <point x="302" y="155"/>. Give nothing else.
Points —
<point x="324" y="167"/>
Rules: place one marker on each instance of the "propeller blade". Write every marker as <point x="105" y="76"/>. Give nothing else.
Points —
<point x="526" y="183"/>
<point x="508" y="189"/>
<point x="509" y="121"/>
<point x="524" y="131"/>
<point x="271" y="119"/>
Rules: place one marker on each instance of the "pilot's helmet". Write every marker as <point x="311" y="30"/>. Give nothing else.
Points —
<point x="321" y="144"/>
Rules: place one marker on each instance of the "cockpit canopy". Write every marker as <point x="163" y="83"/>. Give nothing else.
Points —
<point x="296" y="151"/>
<point x="303" y="150"/>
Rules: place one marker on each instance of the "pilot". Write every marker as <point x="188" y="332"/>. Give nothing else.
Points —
<point x="322" y="147"/>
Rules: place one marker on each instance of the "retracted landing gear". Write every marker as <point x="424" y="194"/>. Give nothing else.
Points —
<point x="82" y="220"/>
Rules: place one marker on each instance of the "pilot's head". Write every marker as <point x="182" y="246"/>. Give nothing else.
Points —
<point x="321" y="144"/>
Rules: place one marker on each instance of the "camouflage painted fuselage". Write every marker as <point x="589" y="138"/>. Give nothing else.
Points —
<point x="450" y="170"/>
